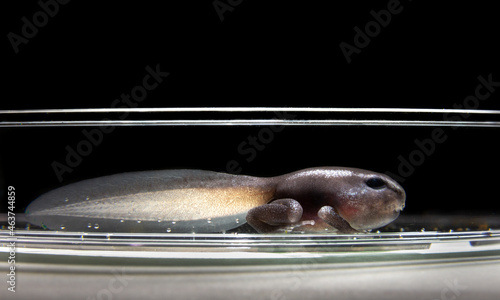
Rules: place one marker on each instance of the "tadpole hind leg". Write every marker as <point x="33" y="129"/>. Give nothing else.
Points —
<point x="275" y="215"/>
<point x="328" y="214"/>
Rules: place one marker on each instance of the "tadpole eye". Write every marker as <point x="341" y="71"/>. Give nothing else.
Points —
<point x="376" y="183"/>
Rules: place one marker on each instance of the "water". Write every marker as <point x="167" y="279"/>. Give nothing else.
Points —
<point x="443" y="158"/>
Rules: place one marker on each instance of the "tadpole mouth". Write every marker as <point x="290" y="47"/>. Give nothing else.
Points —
<point x="395" y="207"/>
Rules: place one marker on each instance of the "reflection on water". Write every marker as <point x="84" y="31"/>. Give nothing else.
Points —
<point x="414" y="239"/>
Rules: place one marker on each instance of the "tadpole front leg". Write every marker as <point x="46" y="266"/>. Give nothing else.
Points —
<point x="330" y="216"/>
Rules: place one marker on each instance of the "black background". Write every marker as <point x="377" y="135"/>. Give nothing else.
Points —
<point x="279" y="53"/>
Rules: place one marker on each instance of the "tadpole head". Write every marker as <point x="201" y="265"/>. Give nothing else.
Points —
<point x="370" y="200"/>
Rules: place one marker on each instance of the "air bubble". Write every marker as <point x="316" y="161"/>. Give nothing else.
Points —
<point x="66" y="200"/>
<point x="63" y="227"/>
<point x="237" y="221"/>
<point x="139" y="221"/>
<point x="159" y="220"/>
<point x="169" y="230"/>
<point x="173" y="222"/>
<point x="96" y="226"/>
<point x="209" y="220"/>
<point x="89" y="225"/>
<point x="121" y="221"/>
